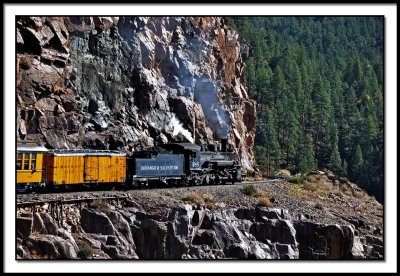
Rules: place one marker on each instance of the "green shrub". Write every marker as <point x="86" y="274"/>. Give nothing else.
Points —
<point x="250" y="190"/>
<point x="318" y="206"/>
<point x="297" y="180"/>
<point x="85" y="251"/>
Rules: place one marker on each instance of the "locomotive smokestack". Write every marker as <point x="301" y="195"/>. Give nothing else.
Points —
<point x="224" y="143"/>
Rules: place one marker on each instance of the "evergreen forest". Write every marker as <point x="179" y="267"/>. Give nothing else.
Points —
<point x="318" y="84"/>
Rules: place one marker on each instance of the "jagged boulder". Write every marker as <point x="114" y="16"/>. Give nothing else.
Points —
<point x="280" y="231"/>
<point x="38" y="224"/>
<point x="121" y="225"/>
<point x="51" y="247"/>
<point x="320" y="241"/>
<point x="150" y="239"/>
<point x="95" y="221"/>
<point x="49" y="223"/>
<point x="24" y="226"/>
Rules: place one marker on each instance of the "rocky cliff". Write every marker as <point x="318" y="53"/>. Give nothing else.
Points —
<point x="130" y="83"/>
<point x="103" y="231"/>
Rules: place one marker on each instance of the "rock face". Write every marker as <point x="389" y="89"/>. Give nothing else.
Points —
<point x="130" y="83"/>
<point x="192" y="232"/>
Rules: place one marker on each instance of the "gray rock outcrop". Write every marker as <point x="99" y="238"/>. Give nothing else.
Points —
<point x="130" y="83"/>
<point x="193" y="232"/>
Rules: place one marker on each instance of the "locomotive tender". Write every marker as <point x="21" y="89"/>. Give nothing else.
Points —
<point x="171" y="164"/>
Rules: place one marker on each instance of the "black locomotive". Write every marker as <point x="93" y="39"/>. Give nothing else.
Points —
<point x="184" y="164"/>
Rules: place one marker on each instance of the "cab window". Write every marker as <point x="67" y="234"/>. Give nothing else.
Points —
<point x="19" y="161"/>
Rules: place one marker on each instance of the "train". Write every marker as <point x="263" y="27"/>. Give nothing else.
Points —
<point x="171" y="164"/>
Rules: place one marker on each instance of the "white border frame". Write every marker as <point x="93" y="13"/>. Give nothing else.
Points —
<point x="389" y="265"/>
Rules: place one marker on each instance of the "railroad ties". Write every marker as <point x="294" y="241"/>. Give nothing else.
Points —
<point x="55" y="207"/>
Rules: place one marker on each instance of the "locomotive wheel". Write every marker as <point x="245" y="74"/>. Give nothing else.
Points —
<point x="206" y="180"/>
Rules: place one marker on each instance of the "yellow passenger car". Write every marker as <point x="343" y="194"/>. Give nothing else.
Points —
<point x="67" y="167"/>
<point x="29" y="165"/>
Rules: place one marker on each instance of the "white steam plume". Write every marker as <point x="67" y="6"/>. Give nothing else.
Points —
<point x="178" y="128"/>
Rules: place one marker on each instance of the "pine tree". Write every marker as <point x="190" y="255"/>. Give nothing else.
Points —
<point x="322" y="78"/>
<point x="358" y="164"/>
<point x="307" y="158"/>
<point x="335" y="163"/>
<point x="260" y="153"/>
<point x="345" y="167"/>
<point x="278" y="84"/>
<point x="251" y="78"/>
<point x="263" y="76"/>
<point x="273" y="150"/>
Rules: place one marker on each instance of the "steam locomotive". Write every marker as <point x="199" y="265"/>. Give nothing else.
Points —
<point x="169" y="164"/>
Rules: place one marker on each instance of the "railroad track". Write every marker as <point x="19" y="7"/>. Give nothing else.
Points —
<point x="66" y="201"/>
<point x="77" y="197"/>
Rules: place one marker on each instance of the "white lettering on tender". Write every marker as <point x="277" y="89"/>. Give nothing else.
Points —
<point x="158" y="168"/>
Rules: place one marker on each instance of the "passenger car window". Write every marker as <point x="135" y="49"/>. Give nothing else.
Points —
<point x="33" y="161"/>
<point x="26" y="161"/>
<point x="19" y="161"/>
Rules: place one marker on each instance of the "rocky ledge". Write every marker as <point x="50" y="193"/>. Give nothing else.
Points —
<point x="280" y="221"/>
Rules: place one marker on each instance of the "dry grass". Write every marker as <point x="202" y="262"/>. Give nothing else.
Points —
<point x="25" y="63"/>
<point x="358" y="194"/>
<point x="208" y="198"/>
<point x="324" y="184"/>
<point x="295" y="190"/>
<point x="359" y="208"/>
<point x="210" y="206"/>
<point x="194" y="197"/>
<point x="308" y="186"/>
<point x="347" y="190"/>
<point x="312" y="178"/>
<point x="251" y="190"/>
<point x="339" y="194"/>
<point x="283" y="173"/>
<point x="260" y="194"/>
<point x="166" y="194"/>
<point x="263" y="201"/>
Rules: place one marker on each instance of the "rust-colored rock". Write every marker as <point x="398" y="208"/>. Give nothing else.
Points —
<point x="114" y="82"/>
